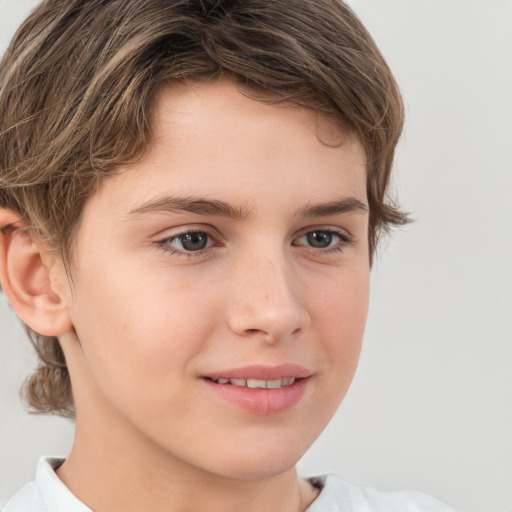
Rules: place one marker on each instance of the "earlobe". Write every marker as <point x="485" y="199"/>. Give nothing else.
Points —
<point x="33" y="286"/>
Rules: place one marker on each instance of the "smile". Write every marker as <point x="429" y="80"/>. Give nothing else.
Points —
<point x="261" y="390"/>
<point x="257" y="383"/>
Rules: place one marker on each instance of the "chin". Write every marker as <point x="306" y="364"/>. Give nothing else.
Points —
<point x="261" y="470"/>
<point x="257" y="461"/>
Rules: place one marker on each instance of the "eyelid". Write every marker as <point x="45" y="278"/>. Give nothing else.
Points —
<point x="163" y="243"/>
<point x="341" y="232"/>
<point x="179" y="229"/>
<point x="346" y="240"/>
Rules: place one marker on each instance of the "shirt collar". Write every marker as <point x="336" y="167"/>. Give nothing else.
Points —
<point x="57" y="497"/>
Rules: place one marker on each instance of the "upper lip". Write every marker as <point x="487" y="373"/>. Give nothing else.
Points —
<point x="262" y="372"/>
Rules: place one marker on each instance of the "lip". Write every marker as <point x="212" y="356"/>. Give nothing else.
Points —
<point x="260" y="401"/>
<point x="262" y="372"/>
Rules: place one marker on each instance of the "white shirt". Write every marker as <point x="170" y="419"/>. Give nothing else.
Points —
<point x="46" y="493"/>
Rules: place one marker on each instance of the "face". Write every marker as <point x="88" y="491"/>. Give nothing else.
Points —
<point x="221" y="284"/>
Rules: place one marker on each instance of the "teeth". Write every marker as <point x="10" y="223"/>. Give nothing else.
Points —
<point x="274" y="384"/>
<point x="255" y="383"/>
<point x="258" y="383"/>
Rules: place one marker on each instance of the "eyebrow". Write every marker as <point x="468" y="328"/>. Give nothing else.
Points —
<point x="204" y="206"/>
<point x="198" y="205"/>
<point x="336" y="207"/>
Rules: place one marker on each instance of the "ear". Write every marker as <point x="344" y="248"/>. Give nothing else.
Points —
<point x="33" y="280"/>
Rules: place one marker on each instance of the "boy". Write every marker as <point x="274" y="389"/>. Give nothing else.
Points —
<point x="191" y="195"/>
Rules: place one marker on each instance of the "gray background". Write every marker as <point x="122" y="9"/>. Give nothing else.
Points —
<point x="431" y="404"/>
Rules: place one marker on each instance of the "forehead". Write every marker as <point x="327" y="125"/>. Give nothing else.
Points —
<point x="214" y="140"/>
<point x="223" y="106"/>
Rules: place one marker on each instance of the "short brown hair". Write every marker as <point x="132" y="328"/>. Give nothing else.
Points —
<point x="77" y="81"/>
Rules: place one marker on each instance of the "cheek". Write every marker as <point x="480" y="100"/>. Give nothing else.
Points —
<point x="135" y="327"/>
<point x="343" y="306"/>
<point x="341" y="319"/>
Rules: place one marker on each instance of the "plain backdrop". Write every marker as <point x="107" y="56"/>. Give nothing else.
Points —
<point x="431" y="404"/>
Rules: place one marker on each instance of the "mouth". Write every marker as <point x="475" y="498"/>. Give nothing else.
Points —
<point x="256" y="383"/>
<point x="260" y="390"/>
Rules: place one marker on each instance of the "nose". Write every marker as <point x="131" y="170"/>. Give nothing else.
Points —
<point x="266" y="302"/>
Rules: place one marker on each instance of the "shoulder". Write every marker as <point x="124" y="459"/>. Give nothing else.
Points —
<point x="336" y="495"/>
<point x="46" y="493"/>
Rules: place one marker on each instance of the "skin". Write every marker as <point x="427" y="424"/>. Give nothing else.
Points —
<point x="145" y="319"/>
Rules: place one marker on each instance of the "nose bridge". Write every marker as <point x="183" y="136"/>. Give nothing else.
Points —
<point x="266" y="299"/>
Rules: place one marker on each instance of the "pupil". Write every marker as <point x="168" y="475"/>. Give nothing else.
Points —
<point x="194" y="241"/>
<point x="319" y="239"/>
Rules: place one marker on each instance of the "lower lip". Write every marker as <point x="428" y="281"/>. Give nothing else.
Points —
<point x="261" y="401"/>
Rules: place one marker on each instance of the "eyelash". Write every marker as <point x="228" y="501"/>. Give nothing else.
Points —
<point x="165" y="246"/>
<point x="345" y="240"/>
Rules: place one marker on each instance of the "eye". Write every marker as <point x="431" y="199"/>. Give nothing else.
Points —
<point x="326" y="239"/>
<point x="195" y="241"/>
<point x="186" y="243"/>
<point x="319" y="239"/>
